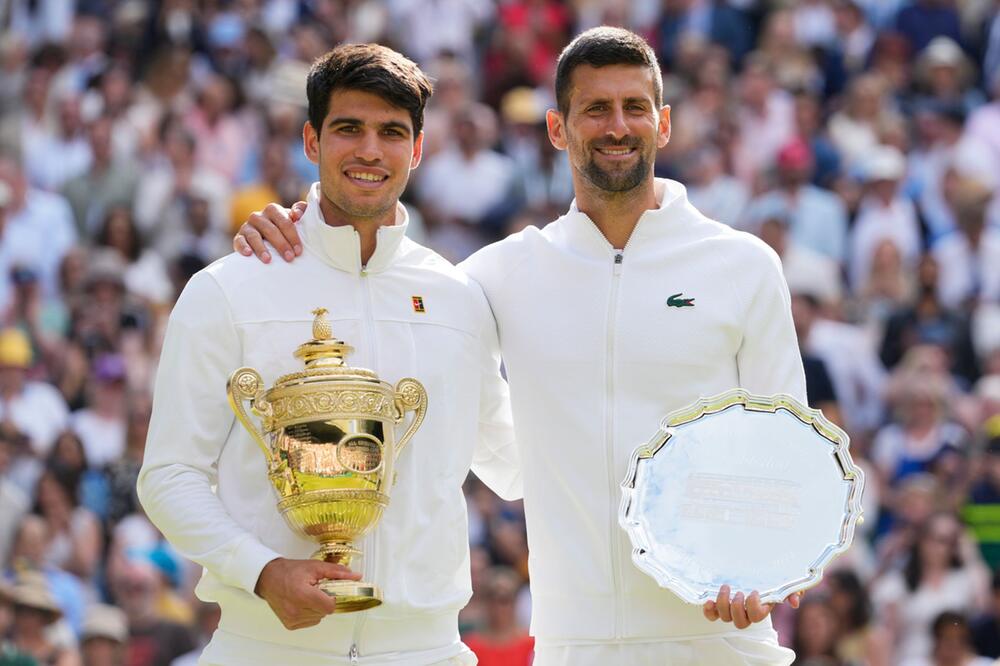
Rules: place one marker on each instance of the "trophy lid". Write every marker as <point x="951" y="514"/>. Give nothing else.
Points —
<point x="323" y="350"/>
<point x="324" y="356"/>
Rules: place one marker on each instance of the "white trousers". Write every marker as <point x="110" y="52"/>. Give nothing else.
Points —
<point x="714" y="651"/>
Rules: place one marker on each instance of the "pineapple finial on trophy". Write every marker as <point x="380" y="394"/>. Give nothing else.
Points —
<point x="323" y="350"/>
<point x="321" y="325"/>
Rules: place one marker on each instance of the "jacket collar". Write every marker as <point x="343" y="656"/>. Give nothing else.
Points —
<point x="340" y="246"/>
<point x="582" y="233"/>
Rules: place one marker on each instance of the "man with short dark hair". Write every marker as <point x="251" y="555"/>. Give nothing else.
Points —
<point x="366" y="106"/>
<point x="630" y="305"/>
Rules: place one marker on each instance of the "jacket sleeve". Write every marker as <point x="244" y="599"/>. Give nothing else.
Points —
<point x="190" y="423"/>
<point x="769" y="360"/>
<point x="495" y="460"/>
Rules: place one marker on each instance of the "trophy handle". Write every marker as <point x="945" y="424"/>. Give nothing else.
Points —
<point x="247" y="384"/>
<point x="410" y="396"/>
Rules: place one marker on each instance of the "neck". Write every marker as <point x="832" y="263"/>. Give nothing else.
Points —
<point x="615" y="213"/>
<point x="367" y="227"/>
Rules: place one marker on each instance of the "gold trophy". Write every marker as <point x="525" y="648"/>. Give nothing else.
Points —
<point x="329" y="438"/>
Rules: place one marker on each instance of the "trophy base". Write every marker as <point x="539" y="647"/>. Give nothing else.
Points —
<point x="352" y="596"/>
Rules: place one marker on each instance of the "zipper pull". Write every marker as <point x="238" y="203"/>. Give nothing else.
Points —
<point x="353" y="653"/>
<point x="619" y="258"/>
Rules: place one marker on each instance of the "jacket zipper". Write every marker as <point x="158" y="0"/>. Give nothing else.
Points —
<point x="616" y="567"/>
<point x="354" y="654"/>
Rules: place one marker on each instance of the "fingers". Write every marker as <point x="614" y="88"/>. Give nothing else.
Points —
<point x="756" y="611"/>
<point x="241" y="245"/>
<point x="297" y="210"/>
<point x="279" y="230"/>
<point x="319" y="601"/>
<point x="253" y="238"/>
<point x="722" y="604"/>
<point x="336" y="572"/>
<point x="739" y="611"/>
<point x="795" y="599"/>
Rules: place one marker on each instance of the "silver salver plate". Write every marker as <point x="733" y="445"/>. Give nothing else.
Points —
<point x="754" y="492"/>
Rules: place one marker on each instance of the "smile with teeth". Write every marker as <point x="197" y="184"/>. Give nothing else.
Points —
<point x="615" y="151"/>
<point x="367" y="177"/>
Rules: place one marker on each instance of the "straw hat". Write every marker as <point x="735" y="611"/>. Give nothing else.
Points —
<point x="103" y="621"/>
<point x="32" y="591"/>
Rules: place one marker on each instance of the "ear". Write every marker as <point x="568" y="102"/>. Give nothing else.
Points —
<point x="310" y="142"/>
<point x="418" y="151"/>
<point x="556" y="127"/>
<point x="663" y="131"/>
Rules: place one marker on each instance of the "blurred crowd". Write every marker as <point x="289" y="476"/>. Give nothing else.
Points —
<point x="859" y="138"/>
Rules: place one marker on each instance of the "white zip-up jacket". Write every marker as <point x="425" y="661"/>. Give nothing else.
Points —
<point x="599" y="345"/>
<point x="240" y="312"/>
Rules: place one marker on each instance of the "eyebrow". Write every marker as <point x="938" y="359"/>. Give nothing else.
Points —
<point x="608" y="100"/>
<point x="357" y="122"/>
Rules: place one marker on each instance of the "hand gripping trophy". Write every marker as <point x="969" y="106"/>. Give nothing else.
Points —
<point x="328" y="433"/>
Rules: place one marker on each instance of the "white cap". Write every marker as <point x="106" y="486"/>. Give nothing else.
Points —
<point x="885" y="163"/>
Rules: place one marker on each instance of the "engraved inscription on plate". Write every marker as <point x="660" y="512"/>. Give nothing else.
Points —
<point x="741" y="500"/>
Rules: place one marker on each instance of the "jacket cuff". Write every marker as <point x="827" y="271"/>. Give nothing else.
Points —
<point x="247" y="561"/>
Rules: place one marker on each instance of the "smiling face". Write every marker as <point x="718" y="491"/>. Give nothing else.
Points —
<point x="612" y="127"/>
<point x="365" y="150"/>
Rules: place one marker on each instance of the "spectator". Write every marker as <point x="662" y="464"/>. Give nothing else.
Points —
<point x="34" y="611"/>
<point x="884" y="214"/>
<point x="818" y="218"/>
<point x="101" y="426"/>
<point x="714" y="192"/>
<point x="953" y="642"/>
<point x="920" y="429"/>
<point x="466" y="190"/>
<point x="928" y="321"/>
<point x="943" y="74"/>
<point x="502" y="642"/>
<point x="56" y="157"/>
<point x="152" y="640"/>
<point x="105" y="633"/>
<point x="936" y="578"/>
<point x="33" y="408"/>
<point x="39" y="228"/>
<point x="145" y="274"/>
<point x="859" y="638"/>
<point x="765" y="122"/>
<point x="816" y="633"/>
<point x="969" y="257"/>
<point x="110" y="181"/>
<point x="854" y="129"/>
<point x="9" y="654"/>
<point x="74" y="533"/>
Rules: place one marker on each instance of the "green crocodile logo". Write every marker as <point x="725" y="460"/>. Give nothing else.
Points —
<point x="676" y="301"/>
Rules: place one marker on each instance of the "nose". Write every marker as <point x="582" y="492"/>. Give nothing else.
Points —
<point x="369" y="148"/>
<point x="617" y="127"/>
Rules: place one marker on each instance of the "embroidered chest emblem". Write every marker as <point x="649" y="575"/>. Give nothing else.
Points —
<point x="677" y="301"/>
<point x="418" y="304"/>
